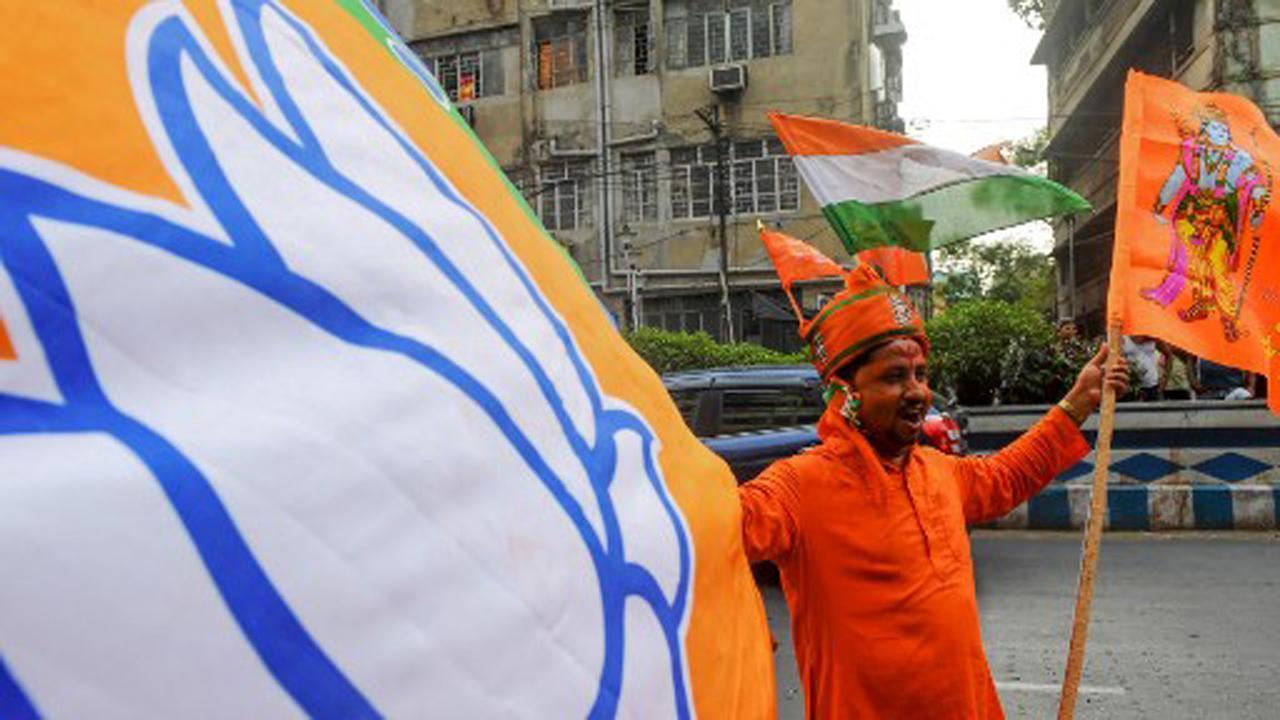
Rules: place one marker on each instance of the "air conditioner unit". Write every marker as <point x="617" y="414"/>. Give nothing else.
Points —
<point x="468" y="113"/>
<point x="728" y="78"/>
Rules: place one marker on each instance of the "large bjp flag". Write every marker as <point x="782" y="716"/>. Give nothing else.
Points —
<point x="301" y="411"/>
<point x="1197" y="250"/>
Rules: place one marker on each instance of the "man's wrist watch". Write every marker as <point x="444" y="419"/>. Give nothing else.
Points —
<point x="1076" y="414"/>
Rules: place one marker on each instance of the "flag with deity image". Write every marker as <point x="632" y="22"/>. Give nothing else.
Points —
<point x="302" y="413"/>
<point x="1197" y="247"/>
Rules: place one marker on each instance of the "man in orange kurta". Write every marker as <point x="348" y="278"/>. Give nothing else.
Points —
<point x="868" y="528"/>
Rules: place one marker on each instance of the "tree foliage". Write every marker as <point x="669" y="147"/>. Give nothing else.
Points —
<point x="990" y="351"/>
<point x="1031" y="12"/>
<point x="1029" y="151"/>
<point x="1008" y="271"/>
<point x="671" y="351"/>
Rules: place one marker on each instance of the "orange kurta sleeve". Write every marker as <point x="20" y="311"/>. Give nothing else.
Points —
<point x="991" y="486"/>
<point x="770" y="513"/>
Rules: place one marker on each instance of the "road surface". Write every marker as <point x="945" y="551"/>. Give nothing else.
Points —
<point x="1184" y="625"/>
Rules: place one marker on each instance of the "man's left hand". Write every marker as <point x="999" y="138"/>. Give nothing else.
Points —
<point x="1086" y="394"/>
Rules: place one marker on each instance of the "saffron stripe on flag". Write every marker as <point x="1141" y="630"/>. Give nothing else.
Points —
<point x="819" y="136"/>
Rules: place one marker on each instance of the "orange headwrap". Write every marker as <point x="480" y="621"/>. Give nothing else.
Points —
<point x="867" y="313"/>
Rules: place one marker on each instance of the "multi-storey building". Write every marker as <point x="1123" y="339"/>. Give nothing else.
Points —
<point x="605" y="114"/>
<point x="1088" y="47"/>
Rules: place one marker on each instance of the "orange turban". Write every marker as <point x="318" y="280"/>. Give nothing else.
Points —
<point x="867" y="313"/>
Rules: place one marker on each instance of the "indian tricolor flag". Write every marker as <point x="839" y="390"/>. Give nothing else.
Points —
<point x="877" y="188"/>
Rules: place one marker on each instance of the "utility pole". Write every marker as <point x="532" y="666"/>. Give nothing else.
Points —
<point x="1071" y="265"/>
<point x="720" y="200"/>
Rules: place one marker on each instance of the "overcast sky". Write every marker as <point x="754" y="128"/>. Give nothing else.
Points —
<point x="968" y="82"/>
<point x="967" y="76"/>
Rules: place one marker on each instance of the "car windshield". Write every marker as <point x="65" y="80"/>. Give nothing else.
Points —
<point x="749" y="409"/>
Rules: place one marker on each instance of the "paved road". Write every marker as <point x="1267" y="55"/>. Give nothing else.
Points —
<point x="1184" y="626"/>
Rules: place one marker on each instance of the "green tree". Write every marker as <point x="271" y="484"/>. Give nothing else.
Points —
<point x="1031" y="12"/>
<point x="1029" y="151"/>
<point x="1009" y="271"/>
<point x="987" y="351"/>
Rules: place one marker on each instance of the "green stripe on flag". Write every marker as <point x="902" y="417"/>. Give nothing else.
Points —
<point x="957" y="211"/>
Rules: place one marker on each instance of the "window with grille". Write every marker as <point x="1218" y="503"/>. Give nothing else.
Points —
<point x="762" y="179"/>
<point x="461" y="75"/>
<point x="564" y="202"/>
<point x="639" y="187"/>
<point x="703" y="32"/>
<point x="468" y="65"/>
<point x="560" y="50"/>
<point x="632" y="43"/>
<point x="780" y="27"/>
<point x="739" y="24"/>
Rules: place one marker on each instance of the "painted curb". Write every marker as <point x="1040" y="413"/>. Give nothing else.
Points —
<point x="1174" y="466"/>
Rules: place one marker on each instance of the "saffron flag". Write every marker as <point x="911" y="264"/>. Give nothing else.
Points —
<point x="307" y="415"/>
<point x="796" y="261"/>
<point x="1197" y="246"/>
<point x="898" y="265"/>
<point x="878" y="188"/>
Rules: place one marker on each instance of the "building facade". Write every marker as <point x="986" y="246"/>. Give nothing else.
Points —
<point x="606" y="116"/>
<point x="1088" y="47"/>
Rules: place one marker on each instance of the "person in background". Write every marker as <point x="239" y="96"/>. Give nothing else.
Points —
<point x="1258" y="385"/>
<point x="1219" y="382"/>
<point x="1140" y="351"/>
<point x="1175" y="373"/>
<point x="1068" y="331"/>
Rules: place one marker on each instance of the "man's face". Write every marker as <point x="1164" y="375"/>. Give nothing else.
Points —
<point x="893" y="383"/>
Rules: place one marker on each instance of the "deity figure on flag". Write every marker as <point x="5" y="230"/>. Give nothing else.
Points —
<point x="1212" y="200"/>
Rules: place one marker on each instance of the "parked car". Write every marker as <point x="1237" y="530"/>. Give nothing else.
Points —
<point x="751" y="416"/>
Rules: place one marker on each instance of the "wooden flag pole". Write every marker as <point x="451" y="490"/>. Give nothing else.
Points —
<point x="1092" y="536"/>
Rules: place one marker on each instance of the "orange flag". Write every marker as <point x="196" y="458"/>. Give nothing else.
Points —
<point x="796" y="260"/>
<point x="897" y="265"/>
<point x="1197" y="249"/>
<point x="992" y="153"/>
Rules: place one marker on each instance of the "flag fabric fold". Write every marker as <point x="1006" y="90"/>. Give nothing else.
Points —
<point x="878" y="188"/>
<point x="1196" y="260"/>
<point x="899" y="266"/>
<point x="796" y="261"/>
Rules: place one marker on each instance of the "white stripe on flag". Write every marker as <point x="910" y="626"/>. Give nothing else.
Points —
<point x="891" y="175"/>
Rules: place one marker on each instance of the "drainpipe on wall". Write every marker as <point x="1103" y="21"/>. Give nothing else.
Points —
<point x="603" y="118"/>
